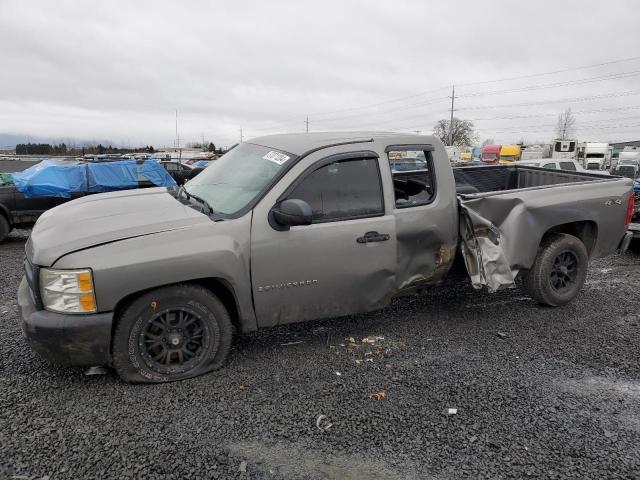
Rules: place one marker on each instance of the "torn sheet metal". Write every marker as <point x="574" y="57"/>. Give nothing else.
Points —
<point x="483" y="253"/>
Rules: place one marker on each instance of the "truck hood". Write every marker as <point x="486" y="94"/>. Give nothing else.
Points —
<point x="105" y="218"/>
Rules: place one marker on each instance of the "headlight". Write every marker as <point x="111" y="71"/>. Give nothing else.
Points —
<point x="67" y="291"/>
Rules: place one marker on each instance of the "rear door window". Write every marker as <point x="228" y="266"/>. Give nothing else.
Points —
<point x="549" y="165"/>
<point x="342" y="190"/>
<point x="413" y="181"/>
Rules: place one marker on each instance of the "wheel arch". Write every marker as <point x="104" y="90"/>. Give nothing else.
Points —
<point x="218" y="286"/>
<point x="585" y="230"/>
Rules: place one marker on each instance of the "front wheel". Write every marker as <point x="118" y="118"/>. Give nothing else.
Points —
<point x="559" y="270"/>
<point x="171" y="333"/>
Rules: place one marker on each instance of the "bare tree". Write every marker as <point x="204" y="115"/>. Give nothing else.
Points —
<point x="566" y="125"/>
<point x="462" y="134"/>
<point x="488" y="141"/>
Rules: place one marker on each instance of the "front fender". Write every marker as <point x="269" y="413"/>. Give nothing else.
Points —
<point x="137" y="264"/>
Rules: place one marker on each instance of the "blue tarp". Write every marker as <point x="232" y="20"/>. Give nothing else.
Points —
<point x="110" y="176"/>
<point x="50" y="178"/>
<point x="153" y="171"/>
<point x="636" y="186"/>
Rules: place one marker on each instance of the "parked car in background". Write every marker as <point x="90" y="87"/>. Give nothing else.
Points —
<point x="535" y="152"/>
<point x="26" y="195"/>
<point x="509" y="154"/>
<point x="201" y="163"/>
<point x="297" y="227"/>
<point x="466" y="154"/>
<point x="628" y="165"/>
<point x="555" y="164"/>
<point x="490" y="153"/>
<point x="181" y="172"/>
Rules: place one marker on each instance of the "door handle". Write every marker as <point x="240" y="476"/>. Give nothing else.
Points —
<point x="373" y="237"/>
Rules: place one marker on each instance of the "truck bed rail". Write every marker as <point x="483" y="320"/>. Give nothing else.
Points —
<point x="511" y="177"/>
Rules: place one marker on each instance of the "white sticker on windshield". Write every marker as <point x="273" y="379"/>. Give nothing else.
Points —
<point x="276" y="157"/>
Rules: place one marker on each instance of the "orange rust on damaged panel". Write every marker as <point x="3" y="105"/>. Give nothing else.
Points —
<point x="443" y="256"/>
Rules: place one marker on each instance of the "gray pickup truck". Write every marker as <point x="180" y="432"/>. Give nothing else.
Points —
<point x="290" y="228"/>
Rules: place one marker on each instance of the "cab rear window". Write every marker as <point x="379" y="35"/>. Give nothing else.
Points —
<point x="413" y="181"/>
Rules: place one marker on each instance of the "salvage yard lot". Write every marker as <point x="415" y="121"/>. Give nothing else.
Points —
<point x="539" y="392"/>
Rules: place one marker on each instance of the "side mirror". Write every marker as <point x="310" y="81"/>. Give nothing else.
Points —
<point x="292" y="212"/>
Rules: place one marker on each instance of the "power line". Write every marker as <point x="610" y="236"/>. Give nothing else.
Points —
<point x="482" y="82"/>
<point x="561" y="100"/>
<point x="385" y="112"/>
<point x="611" y="76"/>
<point x="532" y="75"/>
<point x="553" y="114"/>
<point x="538" y="128"/>
<point x="532" y="87"/>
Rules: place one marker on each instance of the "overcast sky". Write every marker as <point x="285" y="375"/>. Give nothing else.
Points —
<point x="119" y="69"/>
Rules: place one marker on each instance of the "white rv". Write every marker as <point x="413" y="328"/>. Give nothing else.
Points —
<point x="564" y="149"/>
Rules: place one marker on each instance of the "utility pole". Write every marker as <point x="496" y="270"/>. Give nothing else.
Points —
<point x="178" y="140"/>
<point x="453" y="96"/>
<point x="307" y="122"/>
<point x="240" y="134"/>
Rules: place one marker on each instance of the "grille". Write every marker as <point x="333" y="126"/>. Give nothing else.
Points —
<point x="628" y="171"/>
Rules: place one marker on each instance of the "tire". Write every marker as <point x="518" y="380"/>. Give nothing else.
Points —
<point x="559" y="270"/>
<point x="5" y="228"/>
<point x="170" y="334"/>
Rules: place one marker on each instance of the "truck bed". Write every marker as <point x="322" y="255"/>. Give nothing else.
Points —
<point x="498" y="178"/>
<point x="505" y="211"/>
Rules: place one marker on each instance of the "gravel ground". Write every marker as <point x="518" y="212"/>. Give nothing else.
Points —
<point x="539" y="392"/>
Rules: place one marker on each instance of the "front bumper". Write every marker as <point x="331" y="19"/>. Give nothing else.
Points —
<point x="79" y="340"/>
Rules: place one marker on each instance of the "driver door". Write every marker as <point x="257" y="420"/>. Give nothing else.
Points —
<point x="328" y="268"/>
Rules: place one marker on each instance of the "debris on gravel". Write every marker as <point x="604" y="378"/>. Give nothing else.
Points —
<point x="559" y="399"/>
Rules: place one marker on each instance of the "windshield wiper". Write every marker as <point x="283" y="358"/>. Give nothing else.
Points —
<point x="189" y="196"/>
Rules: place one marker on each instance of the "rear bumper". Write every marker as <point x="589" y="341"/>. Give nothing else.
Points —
<point x="626" y="239"/>
<point x="80" y="340"/>
<point x="634" y="230"/>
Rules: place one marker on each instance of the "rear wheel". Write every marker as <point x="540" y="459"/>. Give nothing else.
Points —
<point x="5" y="228"/>
<point x="171" y="333"/>
<point x="559" y="270"/>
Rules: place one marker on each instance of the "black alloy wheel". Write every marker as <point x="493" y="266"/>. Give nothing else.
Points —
<point x="174" y="340"/>
<point x="559" y="270"/>
<point x="564" y="271"/>
<point x="171" y="333"/>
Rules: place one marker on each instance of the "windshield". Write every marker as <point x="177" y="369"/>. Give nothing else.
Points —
<point x="628" y="162"/>
<point x="489" y="155"/>
<point x="507" y="158"/>
<point x="234" y="180"/>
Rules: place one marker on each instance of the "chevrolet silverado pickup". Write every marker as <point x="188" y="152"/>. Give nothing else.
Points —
<point x="297" y="227"/>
